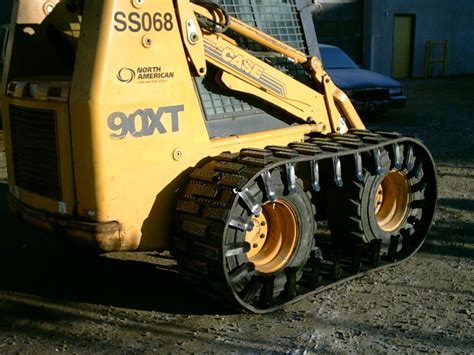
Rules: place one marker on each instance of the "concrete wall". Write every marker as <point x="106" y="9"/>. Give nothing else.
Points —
<point x="436" y="20"/>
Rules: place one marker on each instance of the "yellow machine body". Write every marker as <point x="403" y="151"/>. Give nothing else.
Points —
<point x="129" y="123"/>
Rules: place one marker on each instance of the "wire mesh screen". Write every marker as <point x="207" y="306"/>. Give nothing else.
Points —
<point x="279" y="18"/>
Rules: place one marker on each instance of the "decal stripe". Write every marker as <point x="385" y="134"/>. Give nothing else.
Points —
<point x="281" y="87"/>
<point x="210" y="48"/>
<point x="270" y="83"/>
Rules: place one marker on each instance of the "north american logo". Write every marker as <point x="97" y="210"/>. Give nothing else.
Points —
<point x="126" y="75"/>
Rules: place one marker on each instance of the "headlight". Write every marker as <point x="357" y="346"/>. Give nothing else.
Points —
<point x="395" y="91"/>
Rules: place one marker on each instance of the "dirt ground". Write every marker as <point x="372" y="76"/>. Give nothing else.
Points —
<point x="54" y="299"/>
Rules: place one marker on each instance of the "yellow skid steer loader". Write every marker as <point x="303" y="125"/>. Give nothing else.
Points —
<point x="174" y="125"/>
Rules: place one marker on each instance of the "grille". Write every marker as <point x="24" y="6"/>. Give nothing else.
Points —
<point x="371" y="94"/>
<point x="279" y="18"/>
<point x="35" y="154"/>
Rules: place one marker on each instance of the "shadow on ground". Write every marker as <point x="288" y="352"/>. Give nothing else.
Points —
<point x="35" y="263"/>
<point x="451" y="236"/>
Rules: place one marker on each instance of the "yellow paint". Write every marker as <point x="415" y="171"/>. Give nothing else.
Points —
<point x="123" y="77"/>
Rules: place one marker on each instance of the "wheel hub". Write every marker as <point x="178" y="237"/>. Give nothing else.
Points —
<point x="392" y="200"/>
<point x="273" y="237"/>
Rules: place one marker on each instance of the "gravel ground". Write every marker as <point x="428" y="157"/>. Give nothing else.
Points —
<point x="54" y="299"/>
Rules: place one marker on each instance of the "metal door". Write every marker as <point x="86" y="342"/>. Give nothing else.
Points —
<point x="403" y="27"/>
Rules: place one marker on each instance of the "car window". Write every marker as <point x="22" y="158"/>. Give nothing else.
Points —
<point x="335" y="58"/>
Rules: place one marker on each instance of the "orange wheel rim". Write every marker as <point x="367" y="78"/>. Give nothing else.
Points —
<point x="273" y="237"/>
<point x="392" y="200"/>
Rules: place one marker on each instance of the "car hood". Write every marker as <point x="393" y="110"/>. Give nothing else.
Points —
<point x="360" y="78"/>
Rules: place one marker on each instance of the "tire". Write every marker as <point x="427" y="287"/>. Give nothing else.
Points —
<point x="380" y="207"/>
<point x="290" y="216"/>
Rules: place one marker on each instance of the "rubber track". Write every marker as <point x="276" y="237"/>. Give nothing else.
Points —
<point x="212" y="191"/>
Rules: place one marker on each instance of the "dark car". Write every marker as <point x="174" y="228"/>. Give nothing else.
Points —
<point x="371" y="93"/>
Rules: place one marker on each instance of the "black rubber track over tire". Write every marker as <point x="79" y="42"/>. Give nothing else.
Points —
<point x="301" y="204"/>
<point x="213" y="215"/>
<point x="351" y="208"/>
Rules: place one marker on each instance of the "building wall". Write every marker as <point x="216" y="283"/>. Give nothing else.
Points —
<point x="340" y="23"/>
<point x="436" y="20"/>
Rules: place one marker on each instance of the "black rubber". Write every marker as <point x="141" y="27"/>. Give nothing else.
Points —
<point x="301" y="205"/>
<point x="216" y="204"/>
<point x="350" y="208"/>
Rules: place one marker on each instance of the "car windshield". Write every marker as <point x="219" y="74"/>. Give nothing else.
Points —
<point x="335" y="58"/>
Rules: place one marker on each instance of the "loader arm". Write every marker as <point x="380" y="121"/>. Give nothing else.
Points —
<point x="327" y="110"/>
